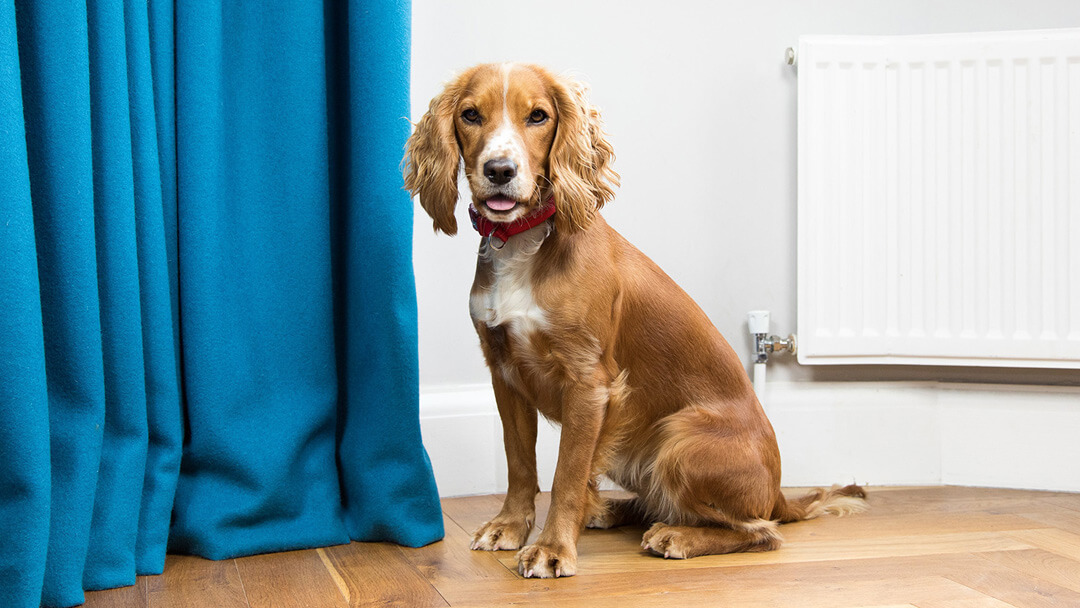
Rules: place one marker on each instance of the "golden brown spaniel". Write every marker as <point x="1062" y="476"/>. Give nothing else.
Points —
<point x="580" y="326"/>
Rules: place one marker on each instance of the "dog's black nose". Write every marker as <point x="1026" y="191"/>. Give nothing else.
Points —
<point x="500" y="170"/>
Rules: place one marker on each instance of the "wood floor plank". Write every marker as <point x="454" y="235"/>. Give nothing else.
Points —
<point x="871" y="525"/>
<point x="1056" y="517"/>
<point x="471" y="512"/>
<point x="983" y="602"/>
<point x="1064" y="499"/>
<point x="132" y="596"/>
<point x="950" y="499"/>
<point x="847" y="583"/>
<point x="378" y="574"/>
<point x="195" y="582"/>
<point x="625" y="557"/>
<point x="1040" y="564"/>
<point x="858" y="594"/>
<point x="1014" y="587"/>
<point x="451" y="559"/>
<point x="1055" y="541"/>
<point x="291" y="579"/>
<point x="854" y="595"/>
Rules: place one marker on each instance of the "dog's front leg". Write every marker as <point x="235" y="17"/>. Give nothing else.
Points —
<point x="555" y="551"/>
<point x="510" y="528"/>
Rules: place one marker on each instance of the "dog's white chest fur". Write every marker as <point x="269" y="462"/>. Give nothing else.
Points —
<point x="509" y="299"/>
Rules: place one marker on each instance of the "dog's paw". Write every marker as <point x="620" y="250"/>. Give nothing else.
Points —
<point x="546" y="561"/>
<point x="667" y="542"/>
<point x="501" y="534"/>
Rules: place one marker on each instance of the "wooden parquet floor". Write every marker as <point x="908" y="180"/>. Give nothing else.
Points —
<point x="939" y="547"/>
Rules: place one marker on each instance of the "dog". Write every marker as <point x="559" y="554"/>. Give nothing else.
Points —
<point x="577" y="324"/>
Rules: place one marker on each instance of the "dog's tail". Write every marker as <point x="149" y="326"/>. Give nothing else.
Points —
<point x="834" y="501"/>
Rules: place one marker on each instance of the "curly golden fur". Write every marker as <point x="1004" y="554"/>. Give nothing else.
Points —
<point x="580" y="173"/>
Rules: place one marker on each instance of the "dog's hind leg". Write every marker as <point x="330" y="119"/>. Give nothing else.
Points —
<point x="714" y="485"/>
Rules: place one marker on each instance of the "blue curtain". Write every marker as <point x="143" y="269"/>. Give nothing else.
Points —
<point x="207" y="309"/>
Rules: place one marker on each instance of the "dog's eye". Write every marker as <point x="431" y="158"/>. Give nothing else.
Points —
<point x="471" y="116"/>
<point x="537" y="117"/>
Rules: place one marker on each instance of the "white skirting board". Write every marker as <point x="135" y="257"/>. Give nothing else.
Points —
<point x="876" y="433"/>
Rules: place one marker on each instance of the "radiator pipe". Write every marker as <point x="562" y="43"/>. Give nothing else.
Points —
<point x="758" y="322"/>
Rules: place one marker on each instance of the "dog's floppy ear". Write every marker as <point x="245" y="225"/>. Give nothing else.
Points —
<point x="582" y="178"/>
<point x="431" y="161"/>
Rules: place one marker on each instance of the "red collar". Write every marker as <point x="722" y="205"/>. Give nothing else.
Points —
<point x="505" y="230"/>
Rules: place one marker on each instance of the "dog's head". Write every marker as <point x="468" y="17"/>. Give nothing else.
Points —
<point x="524" y="135"/>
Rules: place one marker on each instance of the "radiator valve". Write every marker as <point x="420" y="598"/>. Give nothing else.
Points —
<point x="764" y="343"/>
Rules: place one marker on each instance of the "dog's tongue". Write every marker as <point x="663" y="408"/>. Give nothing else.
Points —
<point x="500" y="203"/>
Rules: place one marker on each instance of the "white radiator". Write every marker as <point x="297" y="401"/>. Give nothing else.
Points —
<point x="939" y="199"/>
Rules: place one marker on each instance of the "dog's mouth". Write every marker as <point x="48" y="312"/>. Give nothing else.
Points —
<point x="501" y="204"/>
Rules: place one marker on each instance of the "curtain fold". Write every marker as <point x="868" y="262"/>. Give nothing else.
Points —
<point x="374" y="233"/>
<point x="25" y="483"/>
<point x="255" y="281"/>
<point x="208" y="328"/>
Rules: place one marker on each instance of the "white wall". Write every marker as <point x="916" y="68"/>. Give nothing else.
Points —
<point x="701" y="109"/>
